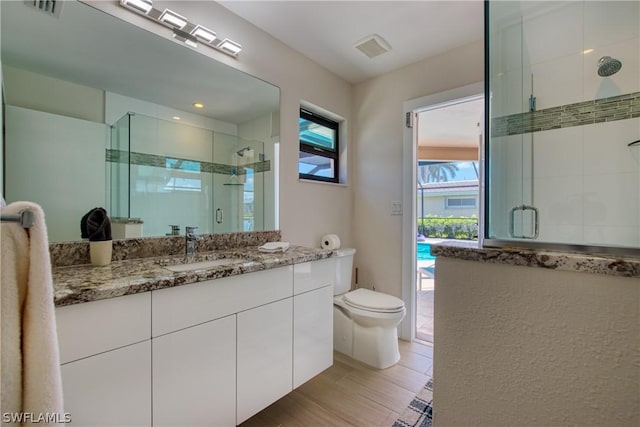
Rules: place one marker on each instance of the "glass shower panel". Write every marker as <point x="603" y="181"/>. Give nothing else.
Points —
<point x="564" y="105"/>
<point x="118" y="168"/>
<point x="510" y="155"/>
<point x="239" y="182"/>
<point x="171" y="179"/>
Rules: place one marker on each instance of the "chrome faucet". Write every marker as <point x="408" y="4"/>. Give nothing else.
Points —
<point x="175" y="230"/>
<point x="192" y="238"/>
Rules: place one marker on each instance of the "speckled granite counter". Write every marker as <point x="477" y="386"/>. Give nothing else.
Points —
<point x="563" y="261"/>
<point x="83" y="283"/>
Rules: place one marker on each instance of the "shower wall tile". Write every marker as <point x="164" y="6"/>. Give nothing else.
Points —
<point x="612" y="199"/>
<point x="607" y="22"/>
<point x="144" y="159"/>
<point x="553" y="30"/>
<point x="571" y="234"/>
<point x="509" y="93"/>
<point x="559" y="201"/>
<point x="620" y="107"/>
<point x="558" y="82"/>
<point x="612" y="236"/>
<point x="558" y="153"/>
<point x="606" y="150"/>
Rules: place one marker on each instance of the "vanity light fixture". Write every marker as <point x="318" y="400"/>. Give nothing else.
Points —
<point x="186" y="38"/>
<point x="203" y="33"/>
<point x="230" y="46"/>
<point x="143" y="6"/>
<point x="173" y="19"/>
<point x="183" y="30"/>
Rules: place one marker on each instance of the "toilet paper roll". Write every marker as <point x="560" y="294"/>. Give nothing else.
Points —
<point x="330" y="241"/>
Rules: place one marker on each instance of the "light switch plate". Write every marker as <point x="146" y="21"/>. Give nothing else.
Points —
<point x="396" y="207"/>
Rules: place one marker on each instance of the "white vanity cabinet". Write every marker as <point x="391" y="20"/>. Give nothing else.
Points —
<point x="194" y="375"/>
<point x="109" y="389"/>
<point x="105" y="352"/>
<point x="312" y="319"/>
<point x="265" y="337"/>
<point x="214" y="353"/>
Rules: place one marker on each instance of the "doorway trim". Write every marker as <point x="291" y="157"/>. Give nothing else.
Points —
<point x="407" y="329"/>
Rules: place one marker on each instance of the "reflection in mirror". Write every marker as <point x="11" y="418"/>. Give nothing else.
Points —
<point x="105" y="116"/>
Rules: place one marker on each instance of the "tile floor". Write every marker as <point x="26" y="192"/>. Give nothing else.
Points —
<point x="352" y="394"/>
<point x="424" y="311"/>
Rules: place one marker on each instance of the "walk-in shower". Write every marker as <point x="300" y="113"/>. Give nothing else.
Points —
<point x="561" y="172"/>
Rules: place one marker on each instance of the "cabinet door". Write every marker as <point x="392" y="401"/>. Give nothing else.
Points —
<point x="265" y="336"/>
<point x="98" y="326"/>
<point x="194" y="374"/>
<point x="312" y="334"/>
<point x="112" y="388"/>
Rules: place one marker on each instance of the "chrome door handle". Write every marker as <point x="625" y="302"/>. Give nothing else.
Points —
<point x="536" y="222"/>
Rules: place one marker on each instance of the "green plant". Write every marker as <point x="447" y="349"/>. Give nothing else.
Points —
<point x="463" y="228"/>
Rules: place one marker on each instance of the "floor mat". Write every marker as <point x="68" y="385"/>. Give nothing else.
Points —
<point x="419" y="412"/>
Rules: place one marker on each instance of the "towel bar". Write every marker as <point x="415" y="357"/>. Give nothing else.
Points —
<point x="25" y="218"/>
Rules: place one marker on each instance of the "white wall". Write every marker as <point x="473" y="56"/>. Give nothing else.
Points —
<point x="378" y="137"/>
<point x="68" y="150"/>
<point x="531" y="346"/>
<point x="307" y="210"/>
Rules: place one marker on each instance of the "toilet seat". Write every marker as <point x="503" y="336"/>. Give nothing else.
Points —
<point x="377" y="302"/>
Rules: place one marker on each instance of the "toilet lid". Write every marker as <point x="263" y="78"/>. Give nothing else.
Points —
<point x="373" y="301"/>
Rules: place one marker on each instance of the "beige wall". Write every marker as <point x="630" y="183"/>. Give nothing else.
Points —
<point x="378" y="136"/>
<point x="307" y="210"/>
<point x="531" y="346"/>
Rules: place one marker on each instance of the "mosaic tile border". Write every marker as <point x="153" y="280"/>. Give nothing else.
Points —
<point x="153" y="160"/>
<point x="610" y="109"/>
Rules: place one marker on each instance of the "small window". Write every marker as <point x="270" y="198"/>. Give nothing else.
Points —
<point x="319" y="147"/>
<point x="460" y="202"/>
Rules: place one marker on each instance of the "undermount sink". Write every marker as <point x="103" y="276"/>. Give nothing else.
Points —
<point x="203" y="265"/>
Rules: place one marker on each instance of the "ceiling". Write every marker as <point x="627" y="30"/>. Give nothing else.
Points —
<point x="326" y="31"/>
<point x="457" y="125"/>
<point x="91" y="48"/>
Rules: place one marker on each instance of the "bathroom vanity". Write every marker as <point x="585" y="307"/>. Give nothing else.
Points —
<point x="211" y="346"/>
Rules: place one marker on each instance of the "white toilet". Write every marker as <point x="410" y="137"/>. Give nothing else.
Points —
<point x="364" y="322"/>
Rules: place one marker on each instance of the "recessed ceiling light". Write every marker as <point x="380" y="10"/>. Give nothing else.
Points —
<point x="203" y="33"/>
<point x="173" y="19"/>
<point x="230" y="46"/>
<point x="198" y="105"/>
<point x="587" y="51"/>
<point x="143" y="6"/>
<point x="176" y="117"/>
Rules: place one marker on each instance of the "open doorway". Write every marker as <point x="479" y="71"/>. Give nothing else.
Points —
<point x="447" y="191"/>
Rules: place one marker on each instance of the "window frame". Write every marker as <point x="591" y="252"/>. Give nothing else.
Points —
<point x="462" y="206"/>
<point x="333" y="154"/>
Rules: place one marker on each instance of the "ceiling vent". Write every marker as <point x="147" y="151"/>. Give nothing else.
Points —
<point x="50" y="7"/>
<point x="373" y="46"/>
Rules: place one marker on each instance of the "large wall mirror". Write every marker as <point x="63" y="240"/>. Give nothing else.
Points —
<point x="99" y="112"/>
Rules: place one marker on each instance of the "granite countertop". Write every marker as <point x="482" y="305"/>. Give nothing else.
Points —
<point x="563" y="261"/>
<point x="84" y="283"/>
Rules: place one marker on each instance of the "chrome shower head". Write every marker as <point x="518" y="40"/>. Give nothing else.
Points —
<point x="608" y="66"/>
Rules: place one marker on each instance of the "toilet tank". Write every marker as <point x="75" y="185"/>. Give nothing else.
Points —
<point x="344" y="268"/>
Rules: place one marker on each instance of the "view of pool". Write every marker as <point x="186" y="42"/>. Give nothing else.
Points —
<point x="424" y="252"/>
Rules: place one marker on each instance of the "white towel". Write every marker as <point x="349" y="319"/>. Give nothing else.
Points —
<point x="30" y="375"/>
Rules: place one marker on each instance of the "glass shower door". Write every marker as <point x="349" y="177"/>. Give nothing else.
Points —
<point x="238" y="182"/>
<point x="563" y="112"/>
